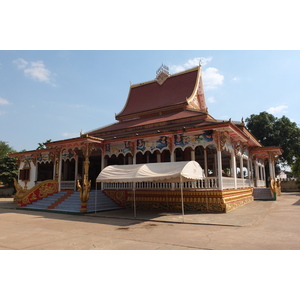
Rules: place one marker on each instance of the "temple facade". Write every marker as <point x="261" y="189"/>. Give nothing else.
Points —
<point x="163" y="120"/>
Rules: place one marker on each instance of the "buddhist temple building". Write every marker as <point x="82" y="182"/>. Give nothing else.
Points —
<point x="165" y="120"/>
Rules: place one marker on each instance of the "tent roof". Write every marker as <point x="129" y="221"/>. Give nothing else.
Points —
<point x="162" y="172"/>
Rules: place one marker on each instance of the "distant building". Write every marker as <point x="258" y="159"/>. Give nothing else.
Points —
<point x="282" y="175"/>
<point x="163" y="120"/>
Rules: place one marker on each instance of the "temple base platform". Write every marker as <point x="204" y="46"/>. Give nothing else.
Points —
<point x="211" y="201"/>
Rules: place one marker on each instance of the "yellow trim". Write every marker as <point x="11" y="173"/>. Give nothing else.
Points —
<point x="196" y="85"/>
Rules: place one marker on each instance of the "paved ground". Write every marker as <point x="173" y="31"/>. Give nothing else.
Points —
<point x="259" y="225"/>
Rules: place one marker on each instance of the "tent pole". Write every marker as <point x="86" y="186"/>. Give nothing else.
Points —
<point x="134" y="207"/>
<point x="182" y="206"/>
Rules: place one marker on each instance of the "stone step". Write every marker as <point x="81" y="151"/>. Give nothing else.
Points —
<point x="64" y="201"/>
<point x="262" y="194"/>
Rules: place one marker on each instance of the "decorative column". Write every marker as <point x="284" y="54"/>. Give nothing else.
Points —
<point x="172" y="156"/>
<point x="220" y="179"/>
<point x="103" y="162"/>
<point x="193" y="155"/>
<point x="59" y="169"/>
<point x="103" y="165"/>
<point x="249" y="171"/>
<point x="271" y="167"/>
<point x="158" y="157"/>
<point x="256" y="172"/>
<point x="260" y="172"/>
<point x="86" y="184"/>
<point x="205" y="162"/>
<point x="242" y="168"/>
<point x="264" y="172"/>
<point x="219" y="161"/>
<point x="233" y="162"/>
<point x="56" y="164"/>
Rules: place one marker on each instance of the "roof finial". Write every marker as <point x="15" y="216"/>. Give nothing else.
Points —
<point x="162" y="74"/>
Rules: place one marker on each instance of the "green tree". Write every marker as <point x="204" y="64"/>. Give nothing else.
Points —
<point x="296" y="168"/>
<point x="8" y="170"/>
<point x="8" y="165"/>
<point x="5" y="148"/>
<point x="42" y="145"/>
<point x="272" y="131"/>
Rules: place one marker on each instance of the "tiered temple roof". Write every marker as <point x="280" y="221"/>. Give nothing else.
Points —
<point x="168" y="104"/>
<point x="176" y="101"/>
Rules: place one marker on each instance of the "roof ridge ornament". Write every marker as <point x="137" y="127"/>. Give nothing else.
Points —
<point x="162" y="74"/>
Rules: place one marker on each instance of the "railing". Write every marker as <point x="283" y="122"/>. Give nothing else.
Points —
<point x="228" y="183"/>
<point x="68" y="185"/>
<point x="261" y="183"/>
<point x="210" y="183"/>
<point x="207" y="183"/>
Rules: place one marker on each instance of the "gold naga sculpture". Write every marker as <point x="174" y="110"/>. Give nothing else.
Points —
<point x="20" y="192"/>
<point x="276" y="186"/>
<point x="85" y="188"/>
<point x="41" y="190"/>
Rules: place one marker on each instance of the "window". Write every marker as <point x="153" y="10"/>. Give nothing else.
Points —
<point x="24" y="174"/>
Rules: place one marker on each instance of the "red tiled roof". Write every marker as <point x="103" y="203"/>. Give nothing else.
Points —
<point x="152" y="96"/>
<point x="156" y="120"/>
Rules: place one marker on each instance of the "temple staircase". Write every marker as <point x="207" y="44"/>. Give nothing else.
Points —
<point x="262" y="194"/>
<point x="69" y="201"/>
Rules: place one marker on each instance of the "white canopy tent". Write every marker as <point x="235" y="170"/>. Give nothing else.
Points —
<point x="156" y="172"/>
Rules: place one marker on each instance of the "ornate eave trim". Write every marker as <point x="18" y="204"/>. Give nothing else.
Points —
<point x="190" y="101"/>
<point x="152" y="112"/>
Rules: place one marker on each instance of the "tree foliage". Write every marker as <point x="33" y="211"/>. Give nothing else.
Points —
<point x="296" y="168"/>
<point x="8" y="165"/>
<point x="272" y="131"/>
<point x="8" y="170"/>
<point x="42" y="145"/>
<point x="5" y="148"/>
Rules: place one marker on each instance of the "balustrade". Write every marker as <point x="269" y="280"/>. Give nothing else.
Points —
<point x="207" y="183"/>
<point x="261" y="183"/>
<point x="68" y="185"/>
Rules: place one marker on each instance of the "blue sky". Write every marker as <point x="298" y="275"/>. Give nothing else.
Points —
<point x="57" y="94"/>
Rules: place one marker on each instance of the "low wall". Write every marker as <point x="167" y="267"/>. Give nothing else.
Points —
<point x="290" y="186"/>
<point x="6" y="192"/>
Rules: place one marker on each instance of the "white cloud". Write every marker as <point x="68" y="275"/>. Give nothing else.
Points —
<point x="35" y="70"/>
<point x="191" y="63"/>
<point x="277" y="109"/>
<point x="236" y="79"/>
<point x="4" y="101"/>
<point x="211" y="100"/>
<point x="20" y="63"/>
<point x="212" y="78"/>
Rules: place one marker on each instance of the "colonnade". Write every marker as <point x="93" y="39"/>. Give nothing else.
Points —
<point x="231" y="169"/>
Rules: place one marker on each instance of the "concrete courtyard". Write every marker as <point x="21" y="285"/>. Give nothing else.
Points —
<point x="260" y="225"/>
